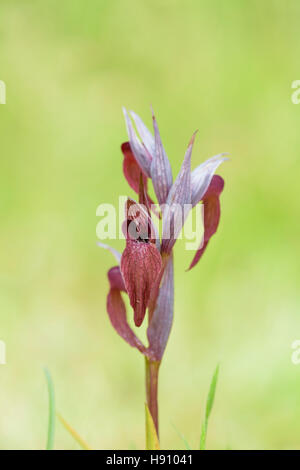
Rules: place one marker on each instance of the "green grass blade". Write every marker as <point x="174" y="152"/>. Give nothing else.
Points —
<point x="211" y="393"/>
<point x="209" y="405"/>
<point x="181" y="436"/>
<point x="74" y="433"/>
<point x="203" y="436"/>
<point x="51" y="422"/>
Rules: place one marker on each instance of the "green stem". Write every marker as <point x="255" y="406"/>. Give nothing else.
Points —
<point x="152" y="368"/>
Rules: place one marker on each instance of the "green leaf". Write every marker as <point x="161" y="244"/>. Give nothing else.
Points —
<point x="73" y="433"/>
<point x="152" y="442"/>
<point x="51" y="422"/>
<point x="209" y="405"/>
<point x="181" y="436"/>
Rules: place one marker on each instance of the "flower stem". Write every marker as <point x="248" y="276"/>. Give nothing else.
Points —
<point x="152" y="368"/>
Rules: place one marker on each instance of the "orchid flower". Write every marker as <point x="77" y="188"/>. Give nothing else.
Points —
<point x="145" y="268"/>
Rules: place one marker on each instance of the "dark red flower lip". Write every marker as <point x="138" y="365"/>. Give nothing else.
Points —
<point x="140" y="267"/>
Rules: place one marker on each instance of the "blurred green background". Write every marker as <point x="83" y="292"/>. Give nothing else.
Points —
<point x="225" y="68"/>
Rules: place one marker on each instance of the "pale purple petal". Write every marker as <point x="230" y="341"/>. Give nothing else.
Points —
<point x="139" y="151"/>
<point x="160" y="326"/>
<point x="202" y="176"/>
<point x="161" y="172"/>
<point x="178" y="202"/>
<point x="113" y="251"/>
<point x="145" y="135"/>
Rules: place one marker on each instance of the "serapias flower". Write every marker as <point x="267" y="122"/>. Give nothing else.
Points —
<point x="145" y="268"/>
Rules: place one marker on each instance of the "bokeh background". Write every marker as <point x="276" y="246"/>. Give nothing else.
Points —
<point x="225" y="68"/>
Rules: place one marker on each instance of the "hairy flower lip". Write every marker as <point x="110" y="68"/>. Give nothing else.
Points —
<point x="140" y="267"/>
